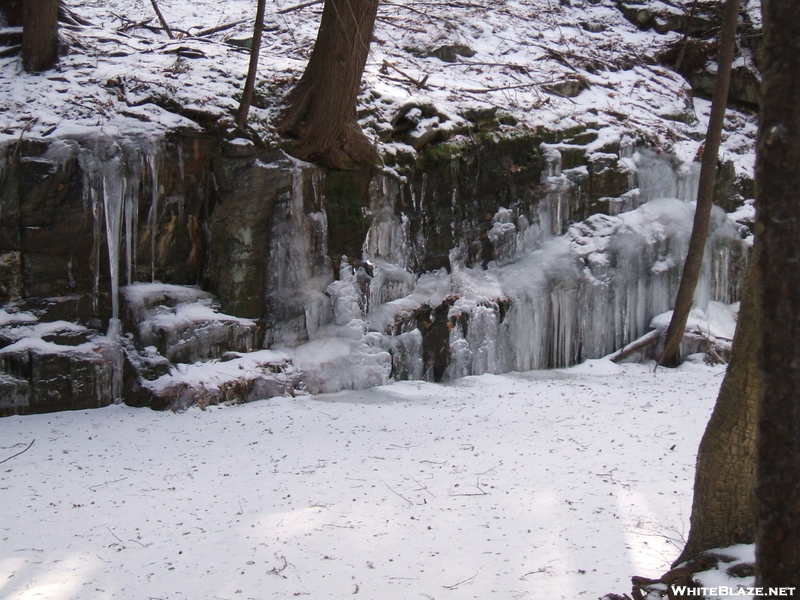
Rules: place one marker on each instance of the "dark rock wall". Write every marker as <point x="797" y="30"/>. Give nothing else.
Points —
<point x="229" y="217"/>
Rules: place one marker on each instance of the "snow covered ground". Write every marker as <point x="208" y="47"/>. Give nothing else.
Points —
<point x="125" y="79"/>
<point x="545" y="484"/>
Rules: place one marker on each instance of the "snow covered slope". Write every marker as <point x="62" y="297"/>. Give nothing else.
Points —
<point x="534" y="62"/>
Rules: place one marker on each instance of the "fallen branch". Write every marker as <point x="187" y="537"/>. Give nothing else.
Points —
<point x="643" y="342"/>
<point x="419" y="83"/>
<point x="419" y="12"/>
<point x="28" y="447"/>
<point x="501" y="88"/>
<point x="133" y="25"/>
<point x="218" y="28"/>
<point x="284" y="11"/>
<point x="162" y="20"/>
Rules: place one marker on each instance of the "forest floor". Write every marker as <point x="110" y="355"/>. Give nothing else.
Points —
<point x="545" y="484"/>
<point x="515" y="63"/>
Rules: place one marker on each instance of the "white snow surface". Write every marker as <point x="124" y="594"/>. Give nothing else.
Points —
<point x="549" y="484"/>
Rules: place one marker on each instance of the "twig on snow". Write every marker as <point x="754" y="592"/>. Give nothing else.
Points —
<point x="395" y="493"/>
<point x="423" y="488"/>
<point x="18" y="453"/>
<point x="455" y="585"/>
<point x="115" y="536"/>
<point x="99" y="485"/>
<point x="393" y="22"/>
<point x="279" y="570"/>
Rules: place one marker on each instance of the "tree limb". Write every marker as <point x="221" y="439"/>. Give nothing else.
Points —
<point x="643" y="342"/>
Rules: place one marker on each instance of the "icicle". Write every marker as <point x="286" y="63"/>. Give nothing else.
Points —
<point x="114" y="184"/>
<point x="154" y="165"/>
<point x="135" y="166"/>
<point x="180" y="162"/>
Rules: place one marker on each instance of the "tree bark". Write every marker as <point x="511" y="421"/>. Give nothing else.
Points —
<point x="777" y="489"/>
<point x="705" y="193"/>
<point x="252" y="70"/>
<point x="722" y="509"/>
<point x="39" y="35"/>
<point x="320" y="121"/>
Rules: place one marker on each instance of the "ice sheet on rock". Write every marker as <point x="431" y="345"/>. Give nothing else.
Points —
<point x="659" y="175"/>
<point x="431" y="289"/>
<point x="388" y="235"/>
<point x="331" y="363"/>
<point x="298" y="264"/>
<point x="578" y="296"/>
<point x="36" y="329"/>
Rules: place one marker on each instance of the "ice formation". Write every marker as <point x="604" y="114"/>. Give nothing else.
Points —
<point x="558" y="292"/>
<point x="114" y="177"/>
<point x="552" y="291"/>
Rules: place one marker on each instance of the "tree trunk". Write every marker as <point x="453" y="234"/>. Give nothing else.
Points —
<point x="778" y="221"/>
<point x="320" y="120"/>
<point x="705" y="192"/>
<point x="722" y="509"/>
<point x="252" y="70"/>
<point x="39" y="35"/>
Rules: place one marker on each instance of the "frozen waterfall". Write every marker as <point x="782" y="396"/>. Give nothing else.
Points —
<point x="557" y="292"/>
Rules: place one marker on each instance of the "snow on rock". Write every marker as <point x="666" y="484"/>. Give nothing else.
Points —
<point x="183" y="323"/>
<point x="235" y="378"/>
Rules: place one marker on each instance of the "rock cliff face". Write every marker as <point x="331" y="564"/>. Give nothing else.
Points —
<point x="156" y="272"/>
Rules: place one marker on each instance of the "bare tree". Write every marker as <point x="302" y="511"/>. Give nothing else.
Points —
<point x="250" y="83"/>
<point x="777" y="489"/>
<point x="705" y="193"/>
<point x="39" y="35"/>
<point x="319" y="122"/>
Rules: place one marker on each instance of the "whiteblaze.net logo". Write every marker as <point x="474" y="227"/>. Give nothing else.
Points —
<point x="682" y="590"/>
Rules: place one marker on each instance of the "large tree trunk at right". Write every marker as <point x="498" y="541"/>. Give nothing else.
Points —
<point x="320" y="120"/>
<point x="39" y="35"/>
<point x="778" y="221"/>
<point x="722" y="510"/>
